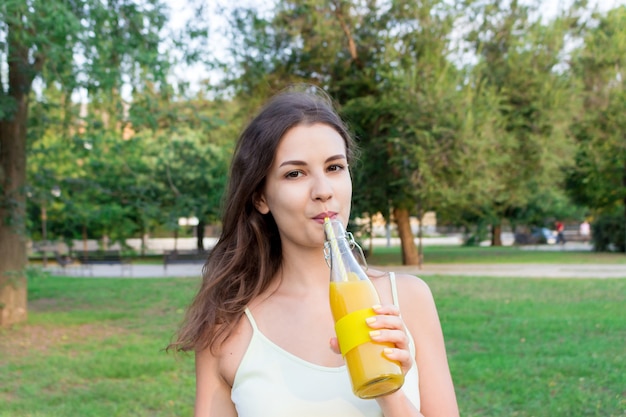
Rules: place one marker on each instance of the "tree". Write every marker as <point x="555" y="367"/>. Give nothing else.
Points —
<point x="187" y="142"/>
<point x="522" y="60"/>
<point x="55" y="41"/>
<point x="599" y="178"/>
<point x="193" y="175"/>
<point x="473" y="139"/>
<point x="422" y="135"/>
<point x="362" y="53"/>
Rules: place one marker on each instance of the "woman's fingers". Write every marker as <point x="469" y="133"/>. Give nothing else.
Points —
<point x="388" y="309"/>
<point x="334" y="344"/>
<point x="387" y="327"/>
<point x="401" y="355"/>
<point x="397" y="337"/>
<point x="387" y="318"/>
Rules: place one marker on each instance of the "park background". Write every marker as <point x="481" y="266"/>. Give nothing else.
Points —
<point x="118" y="119"/>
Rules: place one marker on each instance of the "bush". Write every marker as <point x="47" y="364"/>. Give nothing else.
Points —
<point x="608" y="232"/>
<point x="476" y="236"/>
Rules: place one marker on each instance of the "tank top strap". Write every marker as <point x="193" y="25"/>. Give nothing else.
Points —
<point x="394" y="289"/>
<point x="248" y="313"/>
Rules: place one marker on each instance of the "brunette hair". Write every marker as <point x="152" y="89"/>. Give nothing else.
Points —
<point x="248" y="254"/>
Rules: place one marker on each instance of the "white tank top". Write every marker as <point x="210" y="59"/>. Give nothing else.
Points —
<point x="271" y="382"/>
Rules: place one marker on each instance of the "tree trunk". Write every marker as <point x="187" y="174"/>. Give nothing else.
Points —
<point x="420" y="235"/>
<point x="370" y="248"/>
<point x="200" y="235"/>
<point x="84" y="234"/>
<point x="624" y="202"/>
<point x="13" y="259"/>
<point x="496" y="234"/>
<point x="409" y="251"/>
<point x="13" y="291"/>
<point x="145" y="237"/>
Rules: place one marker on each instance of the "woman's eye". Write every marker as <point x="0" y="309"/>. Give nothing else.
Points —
<point x="293" y="174"/>
<point x="336" y="167"/>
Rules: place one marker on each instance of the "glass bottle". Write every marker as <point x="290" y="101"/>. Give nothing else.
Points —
<point x="352" y="296"/>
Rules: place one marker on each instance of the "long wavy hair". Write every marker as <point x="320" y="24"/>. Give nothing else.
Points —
<point x="248" y="254"/>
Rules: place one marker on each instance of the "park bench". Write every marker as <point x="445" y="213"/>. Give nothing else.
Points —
<point x="575" y="236"/>
<point x="184" y="257"/>
<point x="90" y="258"/>
<point x="62" y="260"/>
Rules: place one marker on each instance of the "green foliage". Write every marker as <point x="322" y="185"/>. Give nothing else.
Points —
<point x="123" y="187"/>
<point x="544" y="207"/>
<point x="597" y="180"/>
<point x="608" y="232"/>
<point x="107" y="157"/>
<point x="66" y="49"/>
<point x="480" y="125"/>
<point x="520" y="59"/>
<point x="471" y="141"/>
<point x="192" y="174"/>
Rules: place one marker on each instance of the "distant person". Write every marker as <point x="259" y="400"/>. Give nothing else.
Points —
<point x="560" y="237"/>
<point x="585" y="231"/>
<point x="261" y="325"/>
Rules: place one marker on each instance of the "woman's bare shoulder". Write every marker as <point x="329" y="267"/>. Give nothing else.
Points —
<point x="417" y="304"/>
<point x="405" y="282"/>
<point x="410" y="288"/>
<point x="228" y="354"/>
<point x="413" y="283"/>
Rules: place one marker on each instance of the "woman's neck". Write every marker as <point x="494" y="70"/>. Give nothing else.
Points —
<point x="304" y="270"/>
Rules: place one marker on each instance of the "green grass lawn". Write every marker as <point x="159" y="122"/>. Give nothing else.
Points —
<point x="517" y="347"/>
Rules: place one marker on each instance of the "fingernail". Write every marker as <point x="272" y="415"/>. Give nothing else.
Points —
<point x="370" y="320"/>
<point x="376" y="306"/>
<point x="374" y="333"/>
<point x="388" y="351"/>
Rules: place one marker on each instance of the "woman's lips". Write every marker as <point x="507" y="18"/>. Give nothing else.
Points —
<point x="320" y="217"/>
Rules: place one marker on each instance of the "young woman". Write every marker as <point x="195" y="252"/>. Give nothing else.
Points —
<point x="261" y="325"/>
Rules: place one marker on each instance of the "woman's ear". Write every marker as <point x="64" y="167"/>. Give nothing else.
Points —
<point x="260" y="204"/>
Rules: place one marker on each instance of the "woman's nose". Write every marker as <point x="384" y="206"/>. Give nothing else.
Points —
<point x="322" y="189"/>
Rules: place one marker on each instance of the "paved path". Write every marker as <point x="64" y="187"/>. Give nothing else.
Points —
<point x="518" y="270"/>
<point x="495" y="270"/>
<point x="132" y="271"/>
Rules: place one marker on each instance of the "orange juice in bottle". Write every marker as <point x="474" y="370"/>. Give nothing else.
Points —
<point x="352" y="296"/>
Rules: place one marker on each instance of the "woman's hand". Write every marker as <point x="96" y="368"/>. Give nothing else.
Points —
<point x="387" y="327"/>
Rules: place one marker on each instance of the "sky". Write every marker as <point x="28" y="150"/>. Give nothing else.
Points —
<point x="549" y="8"/>
<point x="181" y="13"/>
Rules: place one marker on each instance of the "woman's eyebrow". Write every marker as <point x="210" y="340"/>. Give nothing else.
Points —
<point x="335" y="157"/>
<point x="301" y="163"/>
<point x="292" y="163"/>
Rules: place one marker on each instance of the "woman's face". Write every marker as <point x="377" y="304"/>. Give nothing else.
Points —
<point x="308" y="180"/>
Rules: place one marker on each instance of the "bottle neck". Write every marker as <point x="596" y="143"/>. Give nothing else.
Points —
<point x="339" y="254"/>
